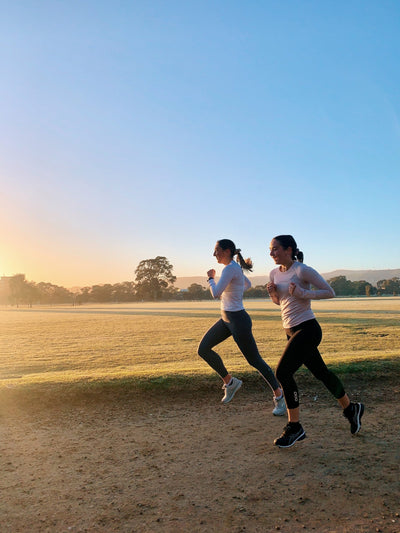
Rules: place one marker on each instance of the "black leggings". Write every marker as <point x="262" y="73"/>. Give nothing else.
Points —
<point x="237" y="324"/>
<point x="302" y="349"/>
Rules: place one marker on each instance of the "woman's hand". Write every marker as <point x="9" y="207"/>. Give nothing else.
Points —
<point x="292" y="288"/>
<point x="273" y="292"/>
<point x="271" y="288"/>
<point x="211" y="273"/>
<point x="296" y="291"/>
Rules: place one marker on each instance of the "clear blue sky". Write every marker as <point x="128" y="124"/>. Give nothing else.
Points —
<point x="132" y="129"/>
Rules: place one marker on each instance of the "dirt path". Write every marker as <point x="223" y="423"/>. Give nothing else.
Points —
<point x="180" y="462"/>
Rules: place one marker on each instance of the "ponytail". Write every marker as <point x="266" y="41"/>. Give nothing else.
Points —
<point x="227" y="244"/>
<point x="246" y="264"/>
<point x="287" y="241"/>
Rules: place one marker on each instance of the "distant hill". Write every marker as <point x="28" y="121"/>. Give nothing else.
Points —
<point x="372" y="276"/>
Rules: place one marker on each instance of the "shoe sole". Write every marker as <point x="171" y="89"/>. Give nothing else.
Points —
<point x="359" y="415"/>
<point x="300" y="437"/>
<point x="233" y="394"/>
<point x="280" y="413"/>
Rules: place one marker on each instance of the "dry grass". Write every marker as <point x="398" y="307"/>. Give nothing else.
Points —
<point x="106" y="342"/>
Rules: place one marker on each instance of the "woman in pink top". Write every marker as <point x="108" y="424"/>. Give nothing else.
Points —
<point x="290" y="288"/>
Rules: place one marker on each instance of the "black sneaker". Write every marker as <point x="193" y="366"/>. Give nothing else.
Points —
<point x="290" y="436"/>
<point x="353" y="413"/>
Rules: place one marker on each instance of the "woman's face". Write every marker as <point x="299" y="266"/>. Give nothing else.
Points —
<point x="222" y="256"/>
<point x="279" y="254"/>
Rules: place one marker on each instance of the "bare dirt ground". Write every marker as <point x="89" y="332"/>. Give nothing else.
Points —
<point x="179" y="461"/>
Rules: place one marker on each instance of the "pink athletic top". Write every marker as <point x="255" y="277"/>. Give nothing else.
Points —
<point x="296" y="308"/>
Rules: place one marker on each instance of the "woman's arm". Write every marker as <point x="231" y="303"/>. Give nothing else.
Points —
<point x="217" y="289"/>
<point x="324" y="290"/>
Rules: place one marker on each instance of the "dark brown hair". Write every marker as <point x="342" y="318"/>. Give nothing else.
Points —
<point x="287" y="241"/>
<point x="227" y="244"/>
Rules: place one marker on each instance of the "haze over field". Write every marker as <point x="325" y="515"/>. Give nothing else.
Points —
<point x="137" y="129"/>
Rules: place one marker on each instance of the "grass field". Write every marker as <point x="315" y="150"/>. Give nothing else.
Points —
<point x="158" y="341"/>
<point x="111" y="422"/>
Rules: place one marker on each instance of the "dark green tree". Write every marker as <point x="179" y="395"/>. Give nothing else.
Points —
<point x="154" y="279"/>
<point x="47" y="293"/>
<point x="18" y="289"/>
<point x="31" y="293"/>
<point x="389" y="286"/>
<point x="342" y="286"/>
<point x="363" y="288"/>
<point x="259" y="291"/>
<point x="83" y="295"/>
<point x="101" y="293"/>
<point x="196" y="291"/>
<point x="124" y="292"/>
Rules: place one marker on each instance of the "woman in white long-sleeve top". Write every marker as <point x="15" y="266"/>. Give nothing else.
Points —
<point x="235" y="322"/>
<point x="290" y="288"/>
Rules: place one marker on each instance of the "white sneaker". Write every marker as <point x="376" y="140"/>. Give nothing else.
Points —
<point x="280" y="406"/>
<point x="231" y="390"/>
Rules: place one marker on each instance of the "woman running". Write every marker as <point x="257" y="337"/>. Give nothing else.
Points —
<point x="290" y="287"/>
<point x="235" y="322"/>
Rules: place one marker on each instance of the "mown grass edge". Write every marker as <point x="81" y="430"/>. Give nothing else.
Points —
<point x="362" y="371"/>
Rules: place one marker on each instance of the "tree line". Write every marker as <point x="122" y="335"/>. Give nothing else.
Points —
<point x="154" y="281"/>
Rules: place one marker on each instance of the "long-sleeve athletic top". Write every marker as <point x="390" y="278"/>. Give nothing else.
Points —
<point x="230" y="287"/>
<point x="296" y="308"/>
